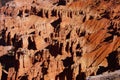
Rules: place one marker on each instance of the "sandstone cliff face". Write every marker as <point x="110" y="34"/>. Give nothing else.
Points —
<point x="58" y="39"/>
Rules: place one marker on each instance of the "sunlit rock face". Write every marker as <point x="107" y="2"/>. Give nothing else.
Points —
<point x="58" y="39"/>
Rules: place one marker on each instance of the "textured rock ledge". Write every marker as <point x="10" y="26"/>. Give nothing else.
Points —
<point x="107" y="76"/>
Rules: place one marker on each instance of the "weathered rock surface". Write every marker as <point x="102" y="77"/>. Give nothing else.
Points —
<point x="106" y="76"/>
<point x="58" y="39"/>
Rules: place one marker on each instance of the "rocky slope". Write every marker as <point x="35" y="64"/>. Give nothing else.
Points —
<point x="58" y="39"/>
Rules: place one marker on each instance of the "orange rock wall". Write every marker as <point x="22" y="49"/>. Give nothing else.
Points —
<point x="50" y="40"/>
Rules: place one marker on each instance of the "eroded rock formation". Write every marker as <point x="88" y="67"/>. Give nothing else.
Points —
<point x="58" y="39"/>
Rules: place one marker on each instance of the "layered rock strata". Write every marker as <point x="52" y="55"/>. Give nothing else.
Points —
<point x="58" y="39"/>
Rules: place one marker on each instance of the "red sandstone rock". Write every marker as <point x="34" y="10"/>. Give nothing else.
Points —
<point x="58" y="39"/>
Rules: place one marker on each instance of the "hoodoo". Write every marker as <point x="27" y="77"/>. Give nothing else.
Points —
<point x="59" y="39"/>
